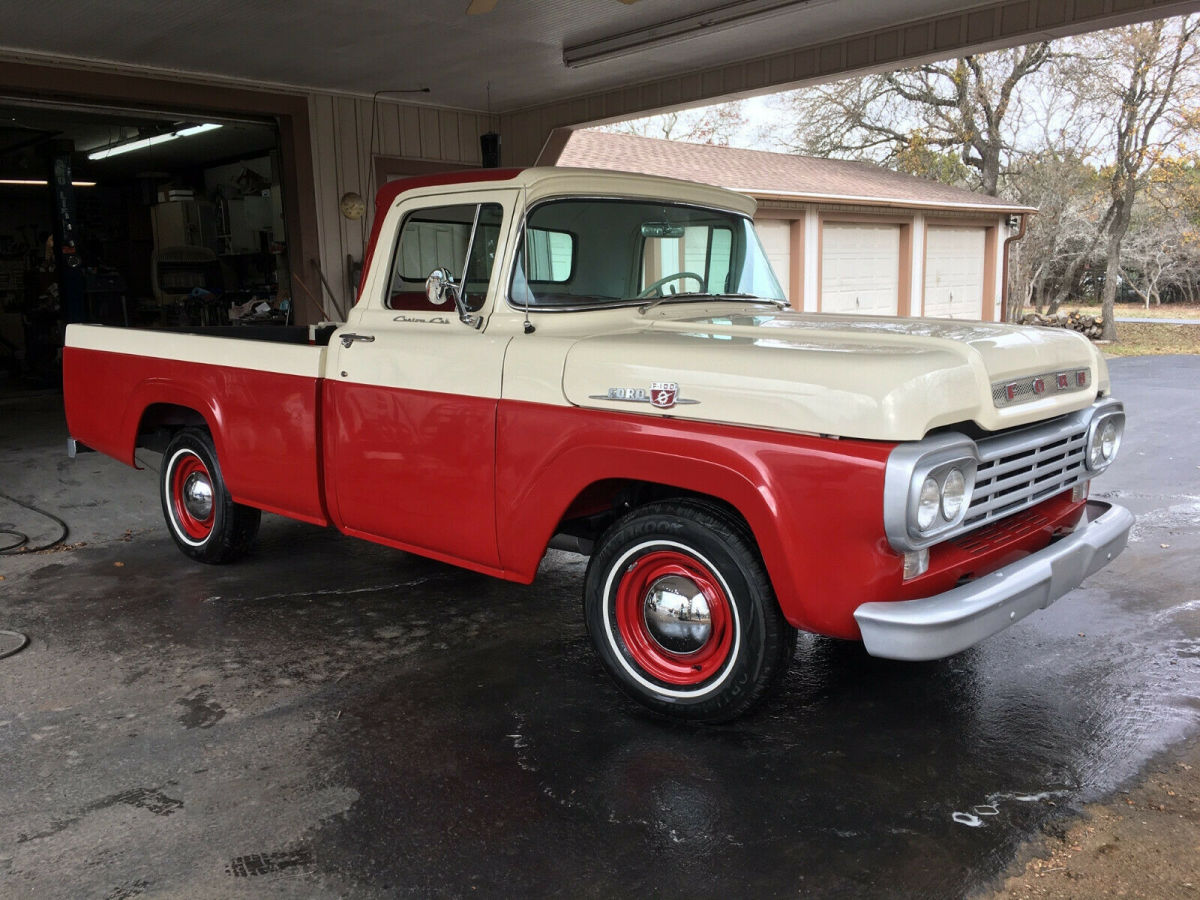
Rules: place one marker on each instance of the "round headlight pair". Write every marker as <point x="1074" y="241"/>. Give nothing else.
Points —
<point x="1104" y="442"/>
<point x="948" y="497"/>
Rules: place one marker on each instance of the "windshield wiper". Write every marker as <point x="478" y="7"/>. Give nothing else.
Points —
<point x="679" y="298"/>
<point x="753" y="298"/>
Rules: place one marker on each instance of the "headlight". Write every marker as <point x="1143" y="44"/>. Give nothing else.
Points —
<point x="1104" y="440"/>
<point x="954" y="494"/>
<point x="943" y="497"/>
<point x="928" y="504"/>
<point x="927" y="489"/>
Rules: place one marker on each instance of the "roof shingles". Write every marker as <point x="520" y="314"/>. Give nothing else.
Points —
<point x="763" y="174"/>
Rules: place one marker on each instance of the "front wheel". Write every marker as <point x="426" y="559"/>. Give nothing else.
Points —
<point x="682" y="614"/>
<point x="201" y="515"/>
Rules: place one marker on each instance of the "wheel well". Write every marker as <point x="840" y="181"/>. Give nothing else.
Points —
<point x="602" y="502"/>
<point x="160" y="422"/>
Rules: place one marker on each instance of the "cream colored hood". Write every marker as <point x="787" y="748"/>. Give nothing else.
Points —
<point x="861" y="377"/>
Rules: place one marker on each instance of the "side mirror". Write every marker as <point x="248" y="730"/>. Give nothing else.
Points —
<point x="440" y="287"/>
<point x="437" y="285"/>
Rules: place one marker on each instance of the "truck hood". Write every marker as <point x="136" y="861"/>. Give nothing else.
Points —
<point x="851" y="376"/>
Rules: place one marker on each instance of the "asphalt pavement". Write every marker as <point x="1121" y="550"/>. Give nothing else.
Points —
<point x="332" y="718"/>
<point x="1153" y="321"/>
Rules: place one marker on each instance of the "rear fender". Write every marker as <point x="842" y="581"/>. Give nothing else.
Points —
<point x="156" y="391"/>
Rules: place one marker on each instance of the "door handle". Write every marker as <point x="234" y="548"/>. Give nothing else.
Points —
<point x="348" y="339"/>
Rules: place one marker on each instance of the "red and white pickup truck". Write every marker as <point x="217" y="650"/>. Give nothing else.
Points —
<point x="560" y="357"/>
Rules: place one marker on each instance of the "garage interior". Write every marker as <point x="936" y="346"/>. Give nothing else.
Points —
<point x="167" y="220"/>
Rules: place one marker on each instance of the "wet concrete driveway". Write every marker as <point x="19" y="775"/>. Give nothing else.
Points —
<point x="330" y="718"/>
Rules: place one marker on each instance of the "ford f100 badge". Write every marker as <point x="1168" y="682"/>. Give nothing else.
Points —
<point x="662" y="395"/>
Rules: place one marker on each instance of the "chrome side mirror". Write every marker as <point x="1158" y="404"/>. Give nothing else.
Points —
<point x="437" y="285"/>
<point x="440" y="287"/>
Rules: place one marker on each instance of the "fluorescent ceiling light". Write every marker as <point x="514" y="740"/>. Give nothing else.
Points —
<point x="197" y="129"/>
<point x="720" y="18"/>
<point x="36" y="182"/>
<point x="142" y="143"/>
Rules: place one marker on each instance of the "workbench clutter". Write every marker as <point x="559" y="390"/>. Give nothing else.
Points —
<point x="260" y="312"/>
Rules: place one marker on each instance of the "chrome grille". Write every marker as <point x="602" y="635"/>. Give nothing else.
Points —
<point x="1020" y="469"/>
<point x="1013" y="470"/>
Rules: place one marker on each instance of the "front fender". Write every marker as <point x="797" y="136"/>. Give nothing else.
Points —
<point x="814" y="504"/>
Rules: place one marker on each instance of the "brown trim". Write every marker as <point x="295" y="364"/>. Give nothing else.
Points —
<point x="290" y="111"/>
<point x="991" y="233"/>
<point x="387" y="167"/>
<point x="908" y="204"/>
<point x="1008" y="242"/>
<point x="989" y="273"/>
<point x="774" y="212"/>
<point x="904" y="274"/>
<point x="651" y="266"/>
<point x="556" y="143"/>
<point x="796" y="264"/>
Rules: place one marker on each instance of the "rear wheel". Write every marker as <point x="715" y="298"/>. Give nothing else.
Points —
<point x="203" y="519"/>
<point x="682" y="613"/>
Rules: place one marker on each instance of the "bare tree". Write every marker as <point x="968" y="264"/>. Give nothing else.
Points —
<point x="1047" y="266"/>
<point x="940" y="119"/>
<point x="1161" y="252"/>
<point x="717" y="125"/>
<point x="1139" y="79"/>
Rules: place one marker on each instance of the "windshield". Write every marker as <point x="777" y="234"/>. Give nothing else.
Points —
<point x="588" y="253"/>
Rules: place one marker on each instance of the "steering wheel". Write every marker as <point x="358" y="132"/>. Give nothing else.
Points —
<point x="656" y="286"/>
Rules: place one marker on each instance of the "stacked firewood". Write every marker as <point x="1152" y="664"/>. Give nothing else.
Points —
<point x="1092" y="326"/>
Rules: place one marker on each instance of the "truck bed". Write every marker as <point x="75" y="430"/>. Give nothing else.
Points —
<point x="259" y="396"/>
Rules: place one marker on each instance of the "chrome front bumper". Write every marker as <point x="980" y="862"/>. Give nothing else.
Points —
<point x="944" y="624"/>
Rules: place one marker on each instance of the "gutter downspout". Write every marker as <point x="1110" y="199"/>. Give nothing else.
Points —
<point x="1004" y="271"/>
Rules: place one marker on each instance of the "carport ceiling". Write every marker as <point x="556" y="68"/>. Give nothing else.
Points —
<point x="361" y="46"/>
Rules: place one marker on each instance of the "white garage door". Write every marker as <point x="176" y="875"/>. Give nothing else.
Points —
<point x="860" y="268"/>
<point x="776" y="237"/>
<point x="954" y="263"/>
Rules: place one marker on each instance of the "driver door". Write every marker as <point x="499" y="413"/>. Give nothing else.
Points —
<point x="412" y="396"/>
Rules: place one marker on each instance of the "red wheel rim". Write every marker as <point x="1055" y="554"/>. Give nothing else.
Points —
<point x="653" y="658"/>
<point x="195" y="527"/>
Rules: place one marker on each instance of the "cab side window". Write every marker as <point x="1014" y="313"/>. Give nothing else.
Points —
<point x="437" y="238"/>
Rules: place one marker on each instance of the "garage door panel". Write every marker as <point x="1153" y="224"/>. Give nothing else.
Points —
<point x="954" y="270"/>
<point x="860" y="268"/>
<point x="776" y="238"/>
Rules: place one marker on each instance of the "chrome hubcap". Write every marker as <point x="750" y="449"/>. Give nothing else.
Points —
<point x="197" y="496"/>
<point x="677" y="615"/>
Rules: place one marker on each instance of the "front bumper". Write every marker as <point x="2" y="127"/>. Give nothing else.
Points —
<point x="944" y="624"/>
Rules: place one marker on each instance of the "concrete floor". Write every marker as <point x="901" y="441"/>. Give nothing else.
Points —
<point x="331" y="718"/>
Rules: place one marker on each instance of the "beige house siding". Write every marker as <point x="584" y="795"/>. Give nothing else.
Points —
<point x="407" y="138"/>
<point x="802" y="281"/>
